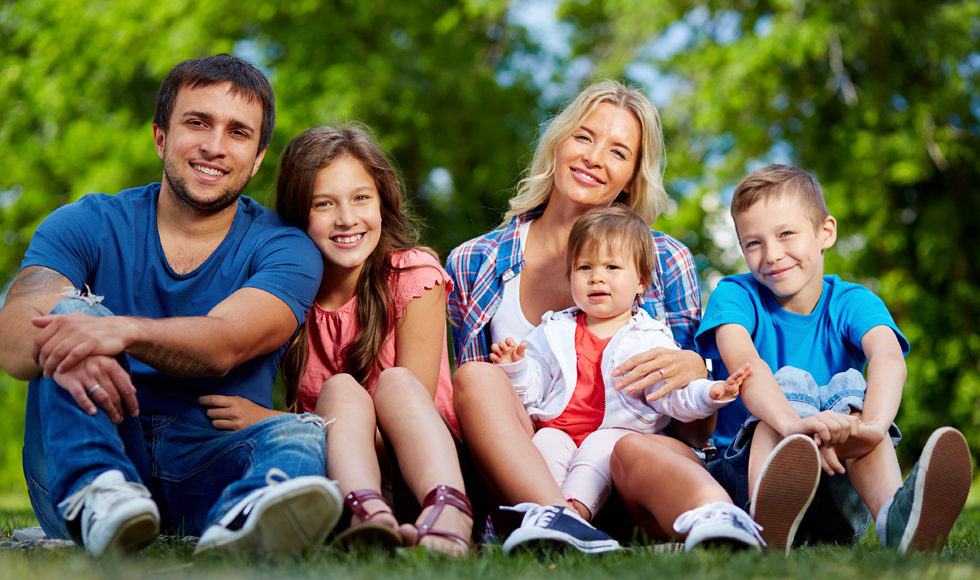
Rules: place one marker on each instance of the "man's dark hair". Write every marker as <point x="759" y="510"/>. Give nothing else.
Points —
<point x="245" y="80"/>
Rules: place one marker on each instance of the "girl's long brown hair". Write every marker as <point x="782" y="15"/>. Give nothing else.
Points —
<point x="299" y="164"/>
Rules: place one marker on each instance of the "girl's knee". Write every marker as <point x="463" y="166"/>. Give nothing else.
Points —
<point x="399" y="388"/>
<point x="342" y="391"/>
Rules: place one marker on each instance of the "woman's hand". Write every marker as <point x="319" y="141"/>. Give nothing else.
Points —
<point x="676" y="368"/>
<point x="234" y="413"/>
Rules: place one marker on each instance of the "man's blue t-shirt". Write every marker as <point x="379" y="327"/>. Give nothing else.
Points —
<point x="111" y="243"/>
<point x="824" y="343"/>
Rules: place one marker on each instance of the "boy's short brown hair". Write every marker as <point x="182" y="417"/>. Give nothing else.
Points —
<point x="617" y="225"/>
<point x="775" y="180"/>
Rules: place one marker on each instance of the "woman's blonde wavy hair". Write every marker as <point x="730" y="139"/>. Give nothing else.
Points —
<point x="647" y="196"/>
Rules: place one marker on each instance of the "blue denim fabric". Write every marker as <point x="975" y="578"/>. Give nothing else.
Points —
<point x="195" y="472"/>
<point x="837" y="514"/>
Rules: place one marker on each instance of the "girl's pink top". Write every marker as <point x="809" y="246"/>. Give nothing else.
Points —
<point x="330" y="332"/>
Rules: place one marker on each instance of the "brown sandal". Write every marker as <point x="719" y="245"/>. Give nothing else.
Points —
<point x="367" y="533"/>
<point x="439" y="498"/>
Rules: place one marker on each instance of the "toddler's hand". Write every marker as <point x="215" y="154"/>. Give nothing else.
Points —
<point x="728" y="390"/>
<point x="507" y="351"/>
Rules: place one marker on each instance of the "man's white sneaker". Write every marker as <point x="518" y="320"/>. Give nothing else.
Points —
<point x="719" y="523"/>
<point x="787" y="482"/>
<point x="116" y="515"/>
<point x="287" y="515"/>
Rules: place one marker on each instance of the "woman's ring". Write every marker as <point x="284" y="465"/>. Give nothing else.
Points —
<point x="663" y="377"/>
<point x="94" y="388"/>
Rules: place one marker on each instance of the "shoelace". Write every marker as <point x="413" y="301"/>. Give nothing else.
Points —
<point x="535" y="515"/>
<point x="110" y="494"/>
<point x="274" y="476"/>
<point x="718" y="510"/>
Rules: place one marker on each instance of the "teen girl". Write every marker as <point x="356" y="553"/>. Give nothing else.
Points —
<point x="371" y="357"/>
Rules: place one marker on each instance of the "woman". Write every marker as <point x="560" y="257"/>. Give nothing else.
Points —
<point x="605" y="146"/>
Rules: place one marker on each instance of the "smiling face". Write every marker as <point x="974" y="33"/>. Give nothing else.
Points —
<point x="210" y="150"/>
<point x="605" y="284"/>
<point x="784" y="252"/>
<point x="597" y="161"/>
<point x="345" y="217"/>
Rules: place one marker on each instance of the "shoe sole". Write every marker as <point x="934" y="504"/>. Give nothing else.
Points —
<point x="288" y="521"/>
<point x="132" y="536"/>
<point x="787" y="483"/>
<point x="542" y="540"/>
<point x="368" y="535"/>
<point x="941" y="488"/>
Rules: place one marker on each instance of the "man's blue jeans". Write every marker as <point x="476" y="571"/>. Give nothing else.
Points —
<point x="195" y="472"/>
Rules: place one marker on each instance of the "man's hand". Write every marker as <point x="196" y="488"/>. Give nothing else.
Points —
<point x="676" y="368"/>
<point x="66" y="339"/>
<point x="234" y="413"/>
<point x="727" y="390"/>
<point x="115" y="393"/>
<point x="507" y="351"/>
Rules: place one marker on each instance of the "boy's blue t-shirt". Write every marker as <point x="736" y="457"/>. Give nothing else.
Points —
<point x="111" y="244"/>
<point x="824" y="343"/>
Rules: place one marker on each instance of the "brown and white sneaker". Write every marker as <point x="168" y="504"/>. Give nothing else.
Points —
<point x="787" y="482"/>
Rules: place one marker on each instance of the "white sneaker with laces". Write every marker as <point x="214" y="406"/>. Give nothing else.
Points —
<point x="116" y="515"/>
<point x="287" y="515"/>
<point x="719" y="523"/>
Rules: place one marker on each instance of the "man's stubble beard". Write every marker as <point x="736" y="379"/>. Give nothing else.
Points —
<point x="184" y="199"/>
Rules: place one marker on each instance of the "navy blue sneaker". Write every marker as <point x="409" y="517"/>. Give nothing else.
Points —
<point x="552" y="526"/>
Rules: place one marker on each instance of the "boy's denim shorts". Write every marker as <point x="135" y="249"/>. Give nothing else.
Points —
<point x="836" y="514"/>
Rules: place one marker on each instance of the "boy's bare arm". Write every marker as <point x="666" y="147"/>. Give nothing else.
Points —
<point x="764" y="398"/>
<point x="886" y="377"/>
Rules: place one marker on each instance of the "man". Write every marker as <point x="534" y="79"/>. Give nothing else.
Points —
<point x="201" y="290"/>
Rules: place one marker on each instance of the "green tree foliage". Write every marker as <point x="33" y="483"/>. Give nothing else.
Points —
<point x="78" y="82"/>
<point x="880" y="101"/>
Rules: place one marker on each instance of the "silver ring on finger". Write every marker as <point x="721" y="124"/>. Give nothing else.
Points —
<point x="94" y="388"/>
<point x="663" y="377"/>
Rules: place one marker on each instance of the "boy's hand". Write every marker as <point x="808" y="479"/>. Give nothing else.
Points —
<point x="826" y="428"/>
<point x="868" y="437"/>
<point x="829" y="461"/>
<point x="507" y="351"/>
<point x="728" y="390"/>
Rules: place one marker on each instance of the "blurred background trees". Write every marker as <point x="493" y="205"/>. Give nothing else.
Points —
<point x="878" y="99"/>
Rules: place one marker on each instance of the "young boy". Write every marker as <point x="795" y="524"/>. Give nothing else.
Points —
<point x="565" y="381"/>
<point x="816" y="333"/>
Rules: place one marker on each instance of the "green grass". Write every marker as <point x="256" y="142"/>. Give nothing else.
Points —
<point x="959" y="561"/>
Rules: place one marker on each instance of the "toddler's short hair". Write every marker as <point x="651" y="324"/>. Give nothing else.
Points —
<point x="617" y="225"/>
<point x="775" y="180"/>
